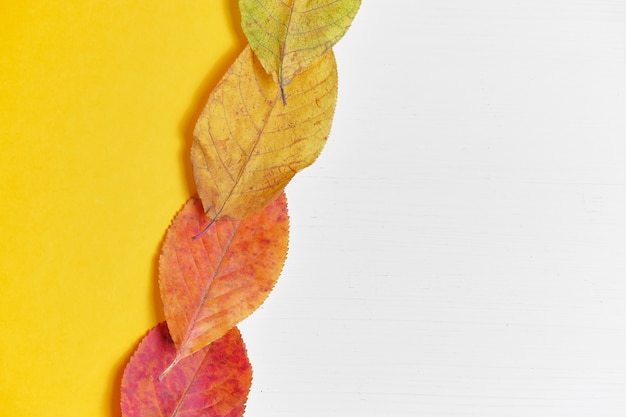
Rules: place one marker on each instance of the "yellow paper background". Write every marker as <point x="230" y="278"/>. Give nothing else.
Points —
<point x="97" y="104"/>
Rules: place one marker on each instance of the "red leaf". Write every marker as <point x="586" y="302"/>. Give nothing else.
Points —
<point x="208" y="285"/>
<point x="212" y="383"/>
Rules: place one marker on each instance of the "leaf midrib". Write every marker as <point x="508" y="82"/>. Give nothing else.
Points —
<point x="260" y="131"/>
<point x="205" y="294"/>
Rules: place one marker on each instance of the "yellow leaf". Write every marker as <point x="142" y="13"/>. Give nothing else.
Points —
<point x="248" y="145"/>
<point x="288" y="35"/>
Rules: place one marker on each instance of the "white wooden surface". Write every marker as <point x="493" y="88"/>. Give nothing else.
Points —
<point x="459" y="249"/>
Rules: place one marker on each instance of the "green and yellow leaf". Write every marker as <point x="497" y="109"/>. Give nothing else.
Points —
<point x="289" y="35"/>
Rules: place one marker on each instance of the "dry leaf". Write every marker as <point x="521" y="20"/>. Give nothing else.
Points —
<point x="213" y="383"/>
<point x="248" y="145"/>
<point x="288" y="35"/>
<point x="210" y="284"/>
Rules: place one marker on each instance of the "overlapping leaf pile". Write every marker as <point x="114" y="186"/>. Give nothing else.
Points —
<point x="267" y="119"/>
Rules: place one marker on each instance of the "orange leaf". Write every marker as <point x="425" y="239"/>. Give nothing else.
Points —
<point x="214" y="382"/>
<point x="248" y="145"/>
<point x="210" y="284"/>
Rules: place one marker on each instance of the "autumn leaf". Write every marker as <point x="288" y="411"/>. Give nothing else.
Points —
<point x="288" y="35"/>
<point x="248" y="145"/>
<point x="213" y="383"/>
<point x="210" y="284"/>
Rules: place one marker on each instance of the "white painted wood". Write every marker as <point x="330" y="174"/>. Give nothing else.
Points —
<point x="459" y="249"/>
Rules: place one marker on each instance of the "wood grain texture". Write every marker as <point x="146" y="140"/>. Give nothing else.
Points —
<point x="468" y="214"/>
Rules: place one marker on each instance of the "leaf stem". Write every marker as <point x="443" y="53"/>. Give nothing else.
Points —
<point x="282" y="90"/>
<point x="169" y="368"/>
<point x="206" y="229"/>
